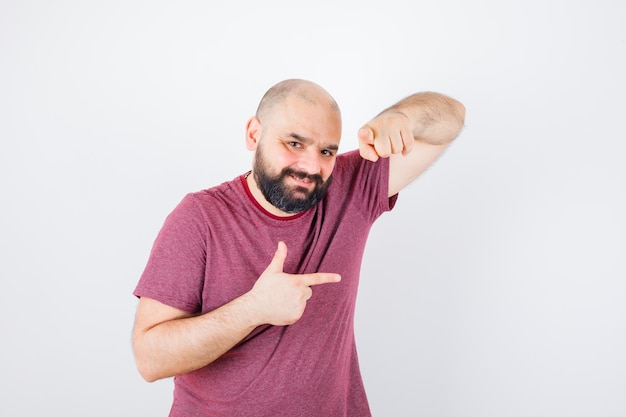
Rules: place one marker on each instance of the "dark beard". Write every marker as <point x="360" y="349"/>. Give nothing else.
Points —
<point x="283" y="197"/>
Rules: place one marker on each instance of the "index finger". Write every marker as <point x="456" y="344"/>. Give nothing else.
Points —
<point x="319" y="278"/>
<point x="408" y="139"/>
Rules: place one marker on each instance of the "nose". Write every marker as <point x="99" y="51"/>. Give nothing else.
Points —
<point x="310" y="162"/>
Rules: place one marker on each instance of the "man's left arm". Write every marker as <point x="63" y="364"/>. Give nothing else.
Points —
<point x="412" y="133"/>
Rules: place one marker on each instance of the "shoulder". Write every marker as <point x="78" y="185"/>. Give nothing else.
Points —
<point x="200" y="206"/>
<point x="348" y="159"/>
<point x="347" y="165"/>
<point x="350" y="165"/>
<point x="362" y="182"/>
<point x="216" y="195"/>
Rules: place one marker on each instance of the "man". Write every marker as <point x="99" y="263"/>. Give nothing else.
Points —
<point x="249" y="292"/>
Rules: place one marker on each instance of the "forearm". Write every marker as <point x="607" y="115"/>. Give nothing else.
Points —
<point x="169" y="342"/>
<point x="435" y="119"/>
<point x="183" y="345"/>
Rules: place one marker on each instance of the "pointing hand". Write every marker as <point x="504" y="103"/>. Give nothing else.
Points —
<point x="280" y="298"/>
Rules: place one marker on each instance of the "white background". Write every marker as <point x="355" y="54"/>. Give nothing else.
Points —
<point x="496" y="287"/>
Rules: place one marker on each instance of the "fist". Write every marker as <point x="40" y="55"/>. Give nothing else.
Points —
<point x="387" y="134"/>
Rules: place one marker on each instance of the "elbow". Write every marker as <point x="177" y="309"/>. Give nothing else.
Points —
<point x="458" y="119"/>
<point x="145" y="364"/>
<point x="147" y="372"/>
<point x="149" y="377"/>
<point x="461" y="112"/>
<point x="144" y="371"/>
<point x="458" y="110"/>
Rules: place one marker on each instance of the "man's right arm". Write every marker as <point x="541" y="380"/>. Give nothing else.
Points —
<point x="168" y="341"/>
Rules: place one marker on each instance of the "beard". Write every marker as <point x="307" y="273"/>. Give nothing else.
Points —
<point x="290" y="199"/>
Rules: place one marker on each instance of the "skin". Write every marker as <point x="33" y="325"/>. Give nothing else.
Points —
<point x="308" y="144"/>
<point x="300" y="127"/>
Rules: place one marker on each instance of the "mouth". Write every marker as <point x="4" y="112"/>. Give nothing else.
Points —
<point x="302" y="181"/>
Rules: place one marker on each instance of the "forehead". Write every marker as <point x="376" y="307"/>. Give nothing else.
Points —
<point x="309" y="117"/>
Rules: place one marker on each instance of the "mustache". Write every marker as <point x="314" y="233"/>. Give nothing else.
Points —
<point x="317" y="178"/>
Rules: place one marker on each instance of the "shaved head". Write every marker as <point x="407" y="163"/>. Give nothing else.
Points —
<point x="304" y="90"/>
<point x="295" y="137"/>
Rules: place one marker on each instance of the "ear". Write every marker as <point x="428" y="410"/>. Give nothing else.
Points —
<point x="253" y="133"/>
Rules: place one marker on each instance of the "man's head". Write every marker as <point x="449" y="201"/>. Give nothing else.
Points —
<point x="295" y="135"/>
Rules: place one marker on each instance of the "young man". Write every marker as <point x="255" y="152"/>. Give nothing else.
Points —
<point x="249" y="292"/>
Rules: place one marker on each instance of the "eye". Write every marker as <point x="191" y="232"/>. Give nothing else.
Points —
<point x="326" y="152"/>
<point x="294" y="144"/>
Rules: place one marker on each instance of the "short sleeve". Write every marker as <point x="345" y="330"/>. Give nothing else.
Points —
<point x="368" y="181"/>
<point x="174" y="274"/>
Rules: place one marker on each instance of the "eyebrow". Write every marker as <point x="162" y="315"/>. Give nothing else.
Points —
<point x="308" y="141"/>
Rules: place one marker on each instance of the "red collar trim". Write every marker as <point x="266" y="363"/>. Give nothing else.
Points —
<point x="244" y="183"/>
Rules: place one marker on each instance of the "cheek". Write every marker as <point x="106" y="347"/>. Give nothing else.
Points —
<point x="280" y="160"/>
<point x="286" y="160"/>
<point x="327" y="168"/>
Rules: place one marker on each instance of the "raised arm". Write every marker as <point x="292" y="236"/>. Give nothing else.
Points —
<point x="412" y="133"/>
<point x="169" y="342"/>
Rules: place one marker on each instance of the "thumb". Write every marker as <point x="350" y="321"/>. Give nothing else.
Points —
<point x="366" y="144"/>
<point x="278" y="261"/>
<point x="366" y="135"/>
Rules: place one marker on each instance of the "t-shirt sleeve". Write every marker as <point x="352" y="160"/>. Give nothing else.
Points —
<point x="174" y="274"/>
<point x="370" y="181"/>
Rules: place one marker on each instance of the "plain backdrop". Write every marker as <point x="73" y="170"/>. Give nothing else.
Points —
<point x="495" y="288"/>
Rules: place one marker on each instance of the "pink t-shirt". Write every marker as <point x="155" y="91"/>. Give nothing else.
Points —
<point x="214" y="246"/>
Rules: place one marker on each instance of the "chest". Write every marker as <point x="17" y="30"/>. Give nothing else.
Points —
<point x="238" y="253"/>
